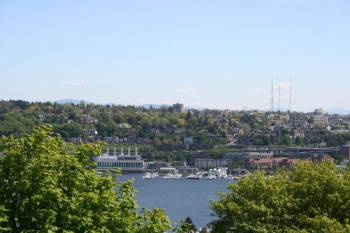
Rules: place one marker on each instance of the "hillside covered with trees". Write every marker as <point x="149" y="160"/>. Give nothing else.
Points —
<point x="165" y="133"/>
<point x="163" y="128"/>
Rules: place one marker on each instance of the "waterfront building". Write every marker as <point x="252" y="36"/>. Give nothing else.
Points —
<point x="270" y="163"/>
<point x="258" y="155"/>
<point x="188" y="170"/>
<point x="125" y="162"/>
<point x="152" y="166"/>
<point x="211" y="163"/>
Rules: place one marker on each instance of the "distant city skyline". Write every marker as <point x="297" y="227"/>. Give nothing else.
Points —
<point x="208" y="54"/>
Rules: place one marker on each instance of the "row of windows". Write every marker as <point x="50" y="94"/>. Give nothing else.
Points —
<point x="132" y="158"/>
<point x="209" y="163"/>
<point x="127" y="158"/>
<point x="120" y="165"/>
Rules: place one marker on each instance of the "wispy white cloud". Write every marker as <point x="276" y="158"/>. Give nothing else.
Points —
<point x="186" y="89"/>
<point x="78" y="83"/>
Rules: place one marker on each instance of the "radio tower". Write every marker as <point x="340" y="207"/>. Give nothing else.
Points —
<point x="279" y="96"/>
<point x="272" y="96"/>
<point x="290" y="94"/>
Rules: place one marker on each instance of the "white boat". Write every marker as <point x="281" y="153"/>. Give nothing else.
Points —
<point x="211" y="177"/>
<point x="99" y="173"/>
<point x="230" y="177"/>
<point x="218" y="173"/>
<point x="147" y="176"/>
<point x="212" y="174"/>
<point x="168" y="176"/>
<point x="221" y="173"/>
<point x="193" y="177"/>
<point x="172" y="176"/>
<point x="154" y="175"/>
<point x="177" y="176"/>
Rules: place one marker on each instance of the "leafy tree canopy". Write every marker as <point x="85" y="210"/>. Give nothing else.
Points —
<point x="186" y="226"/>
<point x="313" y="197"/>
<point x="46" y="187"/>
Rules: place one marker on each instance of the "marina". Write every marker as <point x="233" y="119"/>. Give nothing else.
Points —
<point x="212" y="174"/>
<point x="112" y="160"/>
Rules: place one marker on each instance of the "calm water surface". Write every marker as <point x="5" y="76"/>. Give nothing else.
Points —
<point x="178" y="197"/>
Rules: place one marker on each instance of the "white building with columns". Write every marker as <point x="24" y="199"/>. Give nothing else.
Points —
<point x="111" y="160"/>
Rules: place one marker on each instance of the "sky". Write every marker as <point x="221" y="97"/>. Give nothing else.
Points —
<point x="220" y="54"/>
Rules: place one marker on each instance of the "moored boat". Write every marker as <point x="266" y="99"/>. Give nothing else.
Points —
<point x="172" y="176"/>
<point x="211" y="177"/>
<point x="147" y="176"/>
<point x="193" y="177"/>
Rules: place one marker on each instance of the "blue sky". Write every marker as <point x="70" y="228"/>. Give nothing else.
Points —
<point x="217" y="54"/>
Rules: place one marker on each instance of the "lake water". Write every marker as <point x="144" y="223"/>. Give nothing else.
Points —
<point x="178" y="197"/>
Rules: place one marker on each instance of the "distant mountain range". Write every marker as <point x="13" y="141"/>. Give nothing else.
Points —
<point x="339" y="111"/>
<point x="75" y="101"/>
<point x="70" y="101"/>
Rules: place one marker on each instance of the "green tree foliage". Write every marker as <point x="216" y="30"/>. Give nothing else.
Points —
<point x="16" y="123"/>
<point x="85" y="152"/>
<point x="312" y="198"/>
<point x="186" y="226"/>
<point x="45" y="187"/>
<point x="204" y="230"/>
<point x="3" y="220"/>
<point x="337" y="139"/>
<point x="164" y="127"/>
<point x="152" y="221"/>
<point x="67" y="131"/>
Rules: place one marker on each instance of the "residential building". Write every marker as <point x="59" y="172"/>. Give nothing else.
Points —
<point x="297" y="120"/>
<point x="320" y="121"/>
<point x="188" y="140"/>
<point x="180" y="108"/>
<point x="89" y="132"/>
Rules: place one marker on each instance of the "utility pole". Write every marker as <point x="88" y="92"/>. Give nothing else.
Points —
<point x="279" y="97"/>
<point x="272" y="96"/>
<point x="290" y="94"/>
